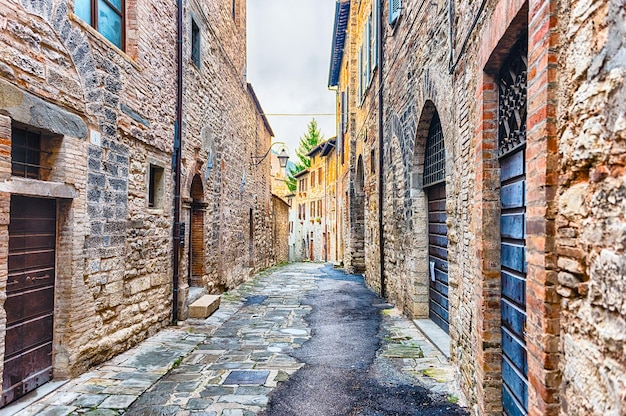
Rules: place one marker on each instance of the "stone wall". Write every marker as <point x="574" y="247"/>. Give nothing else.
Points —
<point x="591" y="222"/>
<point x="280" y="230"/>
<point x="108" y="117"/>
<point x="113" y="251"/>
<point x="218" y="150"/>
<point x="574" y="188"/>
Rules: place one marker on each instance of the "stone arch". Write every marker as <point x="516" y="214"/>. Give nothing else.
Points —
<point x="420" y="207"/>
<point x="194" y="172"/>
<point x="77" y="47"/>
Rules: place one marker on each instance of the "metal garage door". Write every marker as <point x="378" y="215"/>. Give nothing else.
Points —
<point x="30" y="296"/>
<point x="434" y="182"/>
<point x="512" y="139"/>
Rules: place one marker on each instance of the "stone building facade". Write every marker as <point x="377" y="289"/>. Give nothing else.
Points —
<point x="88" y="109"/>
<point x="312" y="213"/>
<point x="499" y="190"/>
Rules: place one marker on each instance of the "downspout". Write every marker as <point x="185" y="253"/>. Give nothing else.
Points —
<point x="381" y="148"/>
<point x="177" y="161"/>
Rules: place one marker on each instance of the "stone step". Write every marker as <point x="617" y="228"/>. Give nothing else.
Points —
<point x="204" y="307"/>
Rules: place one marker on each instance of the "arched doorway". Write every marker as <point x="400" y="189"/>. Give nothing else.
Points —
<point x="512" y="152"/>
<point x="358" y="219"/>
<point x="196" y="249"/>
<point x="435" y="187"/>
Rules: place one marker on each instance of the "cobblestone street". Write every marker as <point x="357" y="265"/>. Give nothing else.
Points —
<point x="300" y="339"/>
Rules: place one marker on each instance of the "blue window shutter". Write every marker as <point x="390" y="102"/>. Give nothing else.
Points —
<point x="366" y="47"/>
<point x="394" y="10"/>
<point x="360" y="72"/>
<point x="375" y="35"/>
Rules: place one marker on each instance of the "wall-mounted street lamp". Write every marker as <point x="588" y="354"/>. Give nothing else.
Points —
<point x="283" y="157"/>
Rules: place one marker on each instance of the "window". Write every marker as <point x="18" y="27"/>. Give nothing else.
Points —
<point x="155" y="187"/>
<point x="302" y="185"/>
<point x="319" y="208"/>
<point x="360" y="75"/>
<point x="320" y="178"/>
<point x="374" y="41"/>
<point x="368" y="52"/>
<point x="373" y="161"/>
<point x="395" y="6"/>
<point x="313" y="179"/>
<point x="106" y="16"/>
<point x="195" y="43"/>
<point x="25" y="153"/>
<point x="312" y="209"/>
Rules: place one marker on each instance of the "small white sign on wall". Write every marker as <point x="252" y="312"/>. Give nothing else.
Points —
<point x="94" y="137"/>
<point x="432" y="271"/>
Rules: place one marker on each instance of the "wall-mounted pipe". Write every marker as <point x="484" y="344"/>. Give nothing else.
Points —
<point x="381" y="148"/>
<point x="177" y="161"/>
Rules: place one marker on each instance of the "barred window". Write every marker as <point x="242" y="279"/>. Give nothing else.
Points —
<point x="435" y="158"/>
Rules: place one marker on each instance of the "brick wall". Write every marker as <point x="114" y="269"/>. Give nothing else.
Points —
<point x="574" y="217"/>
<point x="217" y="148"/>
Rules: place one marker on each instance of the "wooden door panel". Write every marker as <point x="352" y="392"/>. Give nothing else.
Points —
<point x="29" y="304"/>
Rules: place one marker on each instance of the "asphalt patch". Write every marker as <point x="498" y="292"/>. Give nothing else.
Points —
<point x="342" y="375"/>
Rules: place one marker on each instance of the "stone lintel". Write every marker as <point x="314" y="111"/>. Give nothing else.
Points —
<point x="31" y="110"/>
<point x="34" y="187"/>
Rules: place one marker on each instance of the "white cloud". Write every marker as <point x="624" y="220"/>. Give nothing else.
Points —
<point x="289" y="46"/>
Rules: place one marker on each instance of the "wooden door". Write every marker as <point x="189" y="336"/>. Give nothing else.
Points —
<point x="438" y="257"/>
<point x="511" y="148"/>
<point x="435" y="185"/>
<point x="30" y="296"/>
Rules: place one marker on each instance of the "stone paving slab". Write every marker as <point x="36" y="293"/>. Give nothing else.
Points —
<point x="205" y="366"/>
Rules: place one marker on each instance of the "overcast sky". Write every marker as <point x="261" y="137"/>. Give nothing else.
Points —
<point x="289" y="46"/>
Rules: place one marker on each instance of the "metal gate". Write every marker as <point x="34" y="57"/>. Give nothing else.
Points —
<point x="30" y="296"/>
<point x="511" y="148"/>
<point x="434" y="181"/>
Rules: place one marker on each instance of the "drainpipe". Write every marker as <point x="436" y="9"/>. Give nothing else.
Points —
<point x="381" y="148"/>
<point x="177" y="161"/>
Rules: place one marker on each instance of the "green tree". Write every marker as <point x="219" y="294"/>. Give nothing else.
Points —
<point x="308" y="141"/>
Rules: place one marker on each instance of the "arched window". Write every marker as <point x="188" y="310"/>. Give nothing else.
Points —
<point x="435" y="158"/>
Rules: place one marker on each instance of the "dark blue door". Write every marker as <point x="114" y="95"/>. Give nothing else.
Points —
<point x="512" y="139"/>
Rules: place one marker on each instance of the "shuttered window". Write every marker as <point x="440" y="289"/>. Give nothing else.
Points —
<point x="395" y="6"/>
<point x="360" y="59"/>
<point x="374" y="41"/>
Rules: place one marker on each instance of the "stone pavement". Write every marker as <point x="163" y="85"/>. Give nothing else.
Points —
<point x="228" y="364"/>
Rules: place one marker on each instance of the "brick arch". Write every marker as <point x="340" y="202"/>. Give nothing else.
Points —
<point x="194" y="171"/>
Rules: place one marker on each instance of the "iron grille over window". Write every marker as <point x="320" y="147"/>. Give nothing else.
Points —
<point x="512" y="99"/>
<point x="26" y="153"/>
<point x="435" y="158"/>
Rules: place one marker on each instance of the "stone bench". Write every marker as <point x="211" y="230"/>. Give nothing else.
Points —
<point x="204" y="307"/>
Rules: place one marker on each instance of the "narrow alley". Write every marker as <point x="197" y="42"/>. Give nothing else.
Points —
<point x="302" y="339"/>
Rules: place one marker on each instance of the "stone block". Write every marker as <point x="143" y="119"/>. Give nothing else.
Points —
<point x="204" y="307"/>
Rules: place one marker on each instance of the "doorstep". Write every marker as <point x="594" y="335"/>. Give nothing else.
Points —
<point x="436" y="335"/>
